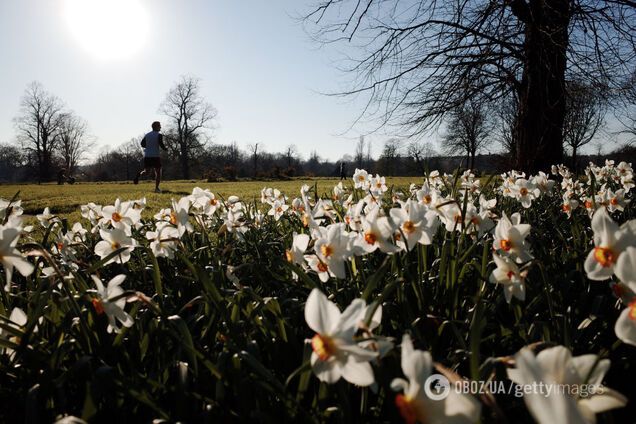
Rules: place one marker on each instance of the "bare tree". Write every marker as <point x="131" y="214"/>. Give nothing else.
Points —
<point x="73" y="141"/>
<point x="389" y="156"/>
<point x="585" y="115"/>
<point x="190" y="115"/>
<point x="467" y="131"/>
<point x="129" y="154"/>
<point x="38" y="125"/>
<point x="291" y="155"/>
<point x="253" y="149"/>
<point x="626" y="114"/>
<point x="418" y="61"/>
<point x="419" y="151"/>
<point x="11" y="161"/>
<point x="359" y="155"/>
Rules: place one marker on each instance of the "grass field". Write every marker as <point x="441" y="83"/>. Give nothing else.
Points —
<point x="65" y="200"/>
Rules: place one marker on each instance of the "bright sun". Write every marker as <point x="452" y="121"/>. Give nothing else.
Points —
<point x="109" y="29"/>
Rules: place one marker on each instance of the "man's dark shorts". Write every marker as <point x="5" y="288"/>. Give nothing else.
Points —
<point x="152" y="162"/>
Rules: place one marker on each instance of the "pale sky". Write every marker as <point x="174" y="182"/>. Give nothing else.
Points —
<point x="113" y="68"/>
<point x="257" y="66"/>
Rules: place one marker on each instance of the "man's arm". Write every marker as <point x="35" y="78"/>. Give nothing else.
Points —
<point x="161" y="142"/>
<point x="143" y="142"/>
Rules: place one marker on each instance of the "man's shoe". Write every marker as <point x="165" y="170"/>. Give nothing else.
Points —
<point x="157" y="190"/>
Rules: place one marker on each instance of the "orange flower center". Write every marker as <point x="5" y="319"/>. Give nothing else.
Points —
<point x="614" y="201"/>
<point x="370" y="238"/>
<point x="305" y="220"/>
<point x="588" y="204"/>
<point x="173" y="218"/>
<point x="213" y="202"/>
<point x="510" y="274"/>
<point x="427" y="199"/>
<point x="604" y="256"/>
<point x="98" y="305"/>
<point x="566" y="207"/>
<point x="326" y="250"/>
<point x="322" y="267"/>
<point x="289" y="256"/>
<point x="323" y="346"/>
<point x="523" y="191"/>
<point x="115" y="245"/>
<point x="116" y="217"/>
<point x="407" y="408"/>
<point x="506" y="245"/>
<point x="409" y="227"/>
<point x="632" y="310"/>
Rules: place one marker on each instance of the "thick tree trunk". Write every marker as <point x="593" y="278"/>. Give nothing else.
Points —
<point x="539" y="125"/>
<point x="185" y="166"/>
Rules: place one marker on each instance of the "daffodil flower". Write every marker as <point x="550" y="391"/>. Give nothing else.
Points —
<point x="609" y="242"/>
<point x="556" y="366"/>
<point x="10" y="257"/>
<point x="510" y="237"/>
<point x="114" y="309"/>
<point x="625" y="327"/>
<point x="335" y="352"/>
<point x="112" y="240"/>
<point x="508" y="275"/>
<point x="412" y="402"/>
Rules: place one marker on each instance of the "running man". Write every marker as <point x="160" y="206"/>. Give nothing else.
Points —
<point x="152" y="157"/>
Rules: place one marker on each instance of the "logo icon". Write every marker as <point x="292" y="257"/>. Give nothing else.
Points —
<point x="437" y="387"/>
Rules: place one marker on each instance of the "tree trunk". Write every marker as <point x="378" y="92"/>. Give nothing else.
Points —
<point x="574" y="160"/>
<point x="185" y="168"/>
<point x="539" y="124"/>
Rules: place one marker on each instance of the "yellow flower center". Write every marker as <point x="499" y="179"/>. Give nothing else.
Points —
<point x="116" y="217"/>
<point x="289" y="256"/>
<point x="305" y="220"/>
<point x="604" y="256"/>
<point x="506" y="245"/>
<point x="326" y="250"/>
<point x="323" y="346"/>
<point x="409" y="227"/>
<point x="370" y="238"/>
<point x="99" y="306"/>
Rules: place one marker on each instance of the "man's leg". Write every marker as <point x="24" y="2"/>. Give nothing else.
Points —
<point x="157" y="177"/>
<point x="139" y="174"/>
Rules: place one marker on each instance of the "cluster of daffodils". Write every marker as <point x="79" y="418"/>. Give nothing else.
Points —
<point x="333" y="234"/>
<point x="614" y="255"/>
<point x="605" y="187"/>
<point x="566" y="388"/>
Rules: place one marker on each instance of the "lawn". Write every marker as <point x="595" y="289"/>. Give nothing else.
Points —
<point x="65" y="200"/>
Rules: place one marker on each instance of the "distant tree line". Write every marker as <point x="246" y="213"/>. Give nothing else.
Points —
<point x="52" y="140"/>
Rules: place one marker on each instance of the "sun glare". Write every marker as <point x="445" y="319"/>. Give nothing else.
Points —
<point x="108" y="29"/>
